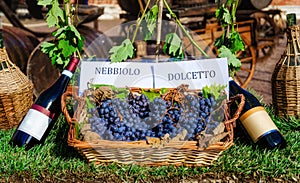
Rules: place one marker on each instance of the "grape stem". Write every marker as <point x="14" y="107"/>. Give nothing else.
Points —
<point x="165" y="3"/>
<point x="184" y="30"/>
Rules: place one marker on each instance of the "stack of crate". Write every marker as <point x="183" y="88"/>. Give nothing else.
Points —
<point x="111" y="8"/>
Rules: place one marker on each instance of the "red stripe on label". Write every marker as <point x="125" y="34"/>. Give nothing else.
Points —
<point x="43" y="110"/>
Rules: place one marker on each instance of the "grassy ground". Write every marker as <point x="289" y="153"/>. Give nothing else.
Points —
<point x="56" y="162"/>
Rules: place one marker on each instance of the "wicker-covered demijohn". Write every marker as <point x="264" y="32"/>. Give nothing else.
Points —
<point x="144" y="152"/>
<point x="16" y="92"/>
<point x="286" y="76"/>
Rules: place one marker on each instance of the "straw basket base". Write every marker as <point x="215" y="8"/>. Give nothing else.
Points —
<point x="16" y="93"/>
<point x="175" y="153"/>
<point x="285" y="91"/>
<point x="14" y="106"/>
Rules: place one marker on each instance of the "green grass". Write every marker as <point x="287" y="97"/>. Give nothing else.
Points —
<point x="56" y="161"/>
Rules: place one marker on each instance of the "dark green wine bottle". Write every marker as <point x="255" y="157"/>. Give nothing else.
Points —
<point x="256" y="121"/>
<point x="42" y="115"/>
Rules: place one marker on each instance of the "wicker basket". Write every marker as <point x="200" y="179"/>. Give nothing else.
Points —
<point x="286" y="78"/>
<point x="16" y="93"/>
<point x="176" y="153"/>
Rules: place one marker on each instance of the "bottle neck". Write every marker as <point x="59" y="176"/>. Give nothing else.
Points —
<point x="291" y="19"/>
<point x="71" y="67"/>
<point x="293" y="49"/>
<point x="72" y="64"/>
<point x="1" y="39"/>
<point x="234" y="88"/>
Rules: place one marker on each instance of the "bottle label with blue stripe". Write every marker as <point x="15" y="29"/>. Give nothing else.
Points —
<point x="257" y="122"/>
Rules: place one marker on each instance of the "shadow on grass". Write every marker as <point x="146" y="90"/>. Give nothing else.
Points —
<point x="59" y="136"/>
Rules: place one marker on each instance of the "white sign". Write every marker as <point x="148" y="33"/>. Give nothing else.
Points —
<point x="195" y="73"/>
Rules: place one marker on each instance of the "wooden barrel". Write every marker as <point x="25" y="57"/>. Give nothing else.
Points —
<point x="42" y="73"/>
<point x="254" y="4"/>
<point x="19" y="45"/>
<point x="130" y="6"/>
<point x="133" y="7"/>
<point x="190" y="3"/>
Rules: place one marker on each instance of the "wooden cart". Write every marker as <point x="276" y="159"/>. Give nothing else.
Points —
<point x="260" y="29"/>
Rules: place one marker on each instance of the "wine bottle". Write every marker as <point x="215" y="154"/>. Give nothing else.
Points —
<point x="37" y="123"/>
<point x="256" y="122"/>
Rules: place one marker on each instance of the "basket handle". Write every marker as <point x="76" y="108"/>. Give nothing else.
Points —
<point x="237" y="113"/>
<point x="72" y="120"/>
<point x="230" y="123"/>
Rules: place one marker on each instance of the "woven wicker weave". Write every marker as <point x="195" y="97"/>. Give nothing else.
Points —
<point x="16" y="93"/>
<point x="286" y="78"/>
<point x="140" y="152"/>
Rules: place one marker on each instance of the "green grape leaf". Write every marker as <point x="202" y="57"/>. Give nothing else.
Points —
<point x="53" y="52"/>
<point x="59" y="31"/>
<point x="223" y="15"/>
<point x="55" y="15"/>
<point x="45" y="2"/>
<point x="66" y="49"/>
<point x="235" y="42"/>
<point x="163" y="90"/>
<point x="173" y="46"/>
<point x="225" y="52"/>
<point x="89" y="104"/>
<point x="51" y="21"/>
<point x="151" y="19"/>
<point x="151" y="94"/>
<point x="219" y="42"/>
<point x="94" y="86"/>
<point x="122" y="52"/>
<point x="75" y="31"/>
<point x="58" y="59"/>
<point x="214" y="90"/>
<point x="80" y="43"/>
<point x="47" y="47"/>
<point x="122" y="93"/>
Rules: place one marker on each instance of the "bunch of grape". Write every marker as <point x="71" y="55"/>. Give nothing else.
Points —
<point x="138" y="118"/>
<point x="139" y="104"/>
<point x="197" y="111"/>
<point x="170" y="118"/>
<point x="110" y="126"/>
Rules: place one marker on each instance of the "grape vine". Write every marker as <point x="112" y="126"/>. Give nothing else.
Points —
<point x="230" y="42"/>
<point x="67" y="39"/>
<point x="172" y="46"/>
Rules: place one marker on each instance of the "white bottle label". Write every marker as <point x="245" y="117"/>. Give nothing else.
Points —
<point x="257" y="122"/>
<point x="35" y="123"/>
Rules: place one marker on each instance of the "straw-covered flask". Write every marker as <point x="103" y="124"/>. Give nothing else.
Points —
<point x="16" y="90"/>
<point x="286" y="76"/>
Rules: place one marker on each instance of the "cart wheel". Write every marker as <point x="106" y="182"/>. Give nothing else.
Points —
<point x="266" y="34"/>
<point x="248" y="60"/>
